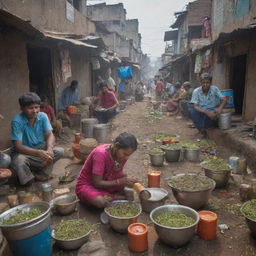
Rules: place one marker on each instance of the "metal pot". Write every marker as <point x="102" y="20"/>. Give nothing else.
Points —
<point x="28" y="228"/>
<point x="250" y="223"/>
<point x="191" y="154"/>
<point x="102" y="133"/>
<point x="193" y="199"/>
<point x="5" y="160"/>
<point x="121" y="224"/>
<point x="71" y="244"/>
<point x="157" y="198"/>
<point x="225" y="121"/>
<point x="157" y="159"/>
<point x="87" y="126"/>
<point x="172" y="155"/>
<point x="220" y="177"/>
<point x="175" y="237"/>
<point x="65" y="204"/>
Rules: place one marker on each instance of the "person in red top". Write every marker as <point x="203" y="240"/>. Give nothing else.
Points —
<point x="159" y="89"/>
<point x="108" y="103"/>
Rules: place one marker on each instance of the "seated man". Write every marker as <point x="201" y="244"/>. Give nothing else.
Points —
<point x="139" y="92"/>
<point x="69" y="96"/>
<point x="207" y="103"/>
<point x="33" y="142"/>
<point x="108" y="101"/>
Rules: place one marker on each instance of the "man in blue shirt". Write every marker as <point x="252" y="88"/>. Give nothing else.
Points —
<point x="207" y="103"/>
<point x="69" y="96"/>
<point x="33" y="142"/>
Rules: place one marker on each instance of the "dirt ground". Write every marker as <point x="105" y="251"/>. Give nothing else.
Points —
<point x="235" y="241"/>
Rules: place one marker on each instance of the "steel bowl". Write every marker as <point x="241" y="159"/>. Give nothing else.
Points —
<point x="191" y="154"/>
<point x="175" y="237"/>
<point x="171" y="155"/>
<point x="157" y="198"/>
<point x="65" y="204"/>
<point x="220" y="177"/>
<point x="71" y="244"/>
<point x="250" y="223"/>
<point x="157" y="159"/>
<point x="121" y="224"/>
<point x="193" y="199"/>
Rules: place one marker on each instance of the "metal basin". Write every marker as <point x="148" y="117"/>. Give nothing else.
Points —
<point x="191" y="154"/>
<point x="250" y="223"/>
<point x="71" y="244"/>
<point x="28" y="228"/>
<point x="220" y="177"/>
<point x="121" y="224"/>
<point x="171" y="155"/>
<point x="157" y="159"/>
<point x="157" y="198"/>
<point x="65" y="204"/>
<point x="193" y="199"/>
<point x="175" y="237"/>
<point x="102" y="133"/>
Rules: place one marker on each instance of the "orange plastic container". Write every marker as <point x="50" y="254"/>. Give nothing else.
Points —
<point x="76" y="151"/>
<point x="71" y="110"/>
<point x="154" y="179"/>
<point x="77" y="137"/>
<point x="207" y="226"/>
<point x="138" y="187"/>
<point x="138" y="237"/>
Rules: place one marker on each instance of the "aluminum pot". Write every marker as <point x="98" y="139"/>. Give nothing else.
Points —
<point x="175" y="237"/>
<point x="250" y="223"/>
<point x="157" y="198"/>
<point x="220" y="177"/>
<point x="102" y="133"/>
<point x="28" y="228"/>
<point x="65" y="204"/>
<point x="225" y="121"/>
<point x="171" y="155"/>
<point x="157" y="159"/>
<point x="191" y="154"/>
<point x="5" y="160"/>
<point x="121" y="224"/>
<point x="71" y="244"/>
<point x="193" y="199"/>
<point x="87" y="126"/>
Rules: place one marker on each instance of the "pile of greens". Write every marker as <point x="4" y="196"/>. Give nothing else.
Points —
<point x="71" y="229"/>
<point x="125" y="210"/>
<point x="171" y="146"/>
<point x="216" y="164"/>
<point x="249" y="210"/>
<point x="174" y="219"/>
<point x="190" y="183"/>
<point x="22" y="216"/>
<point x="156" y="151"/>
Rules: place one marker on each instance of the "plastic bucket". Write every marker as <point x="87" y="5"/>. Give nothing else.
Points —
<point x="229" y="94"/>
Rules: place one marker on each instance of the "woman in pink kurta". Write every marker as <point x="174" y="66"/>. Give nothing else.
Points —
<point x="101" y="178"/>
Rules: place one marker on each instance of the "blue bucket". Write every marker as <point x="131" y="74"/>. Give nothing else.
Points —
<point x="229" y="94"/>
<point x="38" y="245"/>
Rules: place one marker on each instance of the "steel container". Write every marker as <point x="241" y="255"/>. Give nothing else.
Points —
<point x="250" y="223"/>
<point x="71" y="244"/>
<point x="157" y="159"/>
<point x="121" y="224"/>
<point x="225" y="121"/>
<point x="87" y="126"/>
<point x="220" y="177"/>
<point x="102" y="133"/>
<point x="171" y="155"/>
<point x="157" y="198"/>
<point x="28" y="228"/>
<point x="191" y="154"/>
<point x="65" y="204"/>
<point x="193" y="199"/>
<point x="175" y="237"/>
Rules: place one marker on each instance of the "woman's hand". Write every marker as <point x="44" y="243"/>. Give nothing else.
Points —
<point x="126" y="181"/>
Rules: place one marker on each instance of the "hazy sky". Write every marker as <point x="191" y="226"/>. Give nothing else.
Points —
<point x="155" y="17"/>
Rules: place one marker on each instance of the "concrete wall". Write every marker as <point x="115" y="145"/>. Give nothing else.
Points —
<point x="14" y="79"/>
<point x="224" y="18"/>
<point x="48" y="15"/>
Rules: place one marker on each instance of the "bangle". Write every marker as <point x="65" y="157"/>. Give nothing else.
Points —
<point x="117" y="182"/>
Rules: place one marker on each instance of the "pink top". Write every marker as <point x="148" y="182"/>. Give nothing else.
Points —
<point x="108" y="99"/>
<point x="100" y="162"/>
<point x="159" y="86"/>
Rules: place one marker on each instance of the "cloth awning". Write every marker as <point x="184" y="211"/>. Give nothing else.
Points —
<point x="70" y="41"/>
<point x="171" y="35"/>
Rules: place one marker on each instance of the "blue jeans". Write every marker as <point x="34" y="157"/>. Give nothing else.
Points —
<point x="105" y="116"/>
<point x="201" y="121"/>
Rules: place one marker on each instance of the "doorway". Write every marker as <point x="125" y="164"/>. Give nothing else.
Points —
<point x="238" y="73"/>
<point x="40" y="72"/>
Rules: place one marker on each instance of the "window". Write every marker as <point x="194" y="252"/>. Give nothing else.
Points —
<point x="242" y="8"/>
